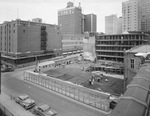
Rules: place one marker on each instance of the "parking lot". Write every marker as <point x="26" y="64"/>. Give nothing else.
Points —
<point x="76" y="73"/>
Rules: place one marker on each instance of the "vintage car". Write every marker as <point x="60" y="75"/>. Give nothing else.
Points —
<point x="44" y="110"/>
<point x="25" y="101"/>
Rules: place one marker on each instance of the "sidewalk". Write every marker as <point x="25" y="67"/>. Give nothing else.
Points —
<point x="12" y="107"/>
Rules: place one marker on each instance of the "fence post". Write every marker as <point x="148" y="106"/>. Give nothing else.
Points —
<point x="83" y="95"/>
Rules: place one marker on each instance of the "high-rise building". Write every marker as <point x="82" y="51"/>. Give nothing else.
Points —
<point x="111" y="24"/>
<point x="136" y="15"/>
<point x="131" y="16"/>
<point x="145" y="15"/>
<point x="19" y="37"/>
<point x="119" y="25"/>
<point x="90" y="23"/>
<point x="71" y="19"/>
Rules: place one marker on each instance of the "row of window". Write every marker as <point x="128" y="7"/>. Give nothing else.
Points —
<point x="14" y="32"/>
<point x="11" y="25"/>
<point x="72" y="43"/>
<point x="133" y="37"/>
<point x="68" y="38"/>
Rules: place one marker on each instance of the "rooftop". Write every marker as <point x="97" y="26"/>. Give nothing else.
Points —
<point x="140" y="48"/>
<point x="135" y="101"/>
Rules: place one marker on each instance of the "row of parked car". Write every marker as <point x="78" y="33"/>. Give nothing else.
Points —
<point x="41" y="109"/>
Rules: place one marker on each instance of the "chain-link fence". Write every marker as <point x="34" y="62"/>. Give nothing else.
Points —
<point x="88" y="96"/>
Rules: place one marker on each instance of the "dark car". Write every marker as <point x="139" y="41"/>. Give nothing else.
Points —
<point x="25" y="101"/>
<point x="44" y="110"/>
<point x="7" y="69"/>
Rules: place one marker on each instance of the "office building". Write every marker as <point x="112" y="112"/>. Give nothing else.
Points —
<point x="71" y="19"/>
<point x="90" y="23"/>
<point x="145" y="15"/>
<point x="131" y="16"/>
<point x="19" y="37"/>
<point x="112" y="47"/>
<point x="136" y="15"/>
<point x="111" y="24"/>
<point x="119" y="25"/>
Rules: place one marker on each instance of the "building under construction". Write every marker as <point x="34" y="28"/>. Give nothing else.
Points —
<point x="112" y="47"/>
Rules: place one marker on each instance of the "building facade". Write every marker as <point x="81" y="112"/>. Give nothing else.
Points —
<point x="89" y="46"/>
<point x="119" y="25"/>
<point x="71" y="19"/>
<point x="136" y="15"/>
<point x="145" y="15"/>
<point x="131" y="16"/>
<point x="20" y="37"/>
<point x="133" y="61"/>
<point x="112" y="47"/>
<point x="72" y="43"/>
<point x="111" y="24"/>
<point x="90" y="23"/>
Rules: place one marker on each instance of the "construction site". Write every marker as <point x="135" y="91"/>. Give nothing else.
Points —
<point x="82" y="72"/>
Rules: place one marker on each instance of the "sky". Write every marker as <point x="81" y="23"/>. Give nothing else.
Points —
<point x="48" y="9"/>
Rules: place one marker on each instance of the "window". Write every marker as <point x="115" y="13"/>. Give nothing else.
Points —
<point x="132" y="63"/>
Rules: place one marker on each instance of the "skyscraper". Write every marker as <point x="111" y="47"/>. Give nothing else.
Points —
<point x="90" y="23"/>
<point x="145" y="15"/>
<point x="131" y="16"/>
<point x="119" y="25"/>
<point x="111" y="24"/>
<point x="71" y="19"/>
<point x="136" y="15"/>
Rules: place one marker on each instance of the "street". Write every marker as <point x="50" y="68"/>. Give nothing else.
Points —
<point x="12" y="83"/>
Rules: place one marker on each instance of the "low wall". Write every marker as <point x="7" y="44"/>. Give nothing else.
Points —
<point x="90" y="97"/>
<point x="5" y="111"/>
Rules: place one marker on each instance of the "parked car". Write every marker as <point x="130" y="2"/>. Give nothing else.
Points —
<point x="25" y="101"/>
<point x="7" y="69"/>
<point x="44" y="110"/>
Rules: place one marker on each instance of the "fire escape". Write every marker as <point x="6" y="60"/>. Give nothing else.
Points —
<point x="43" y="38"/>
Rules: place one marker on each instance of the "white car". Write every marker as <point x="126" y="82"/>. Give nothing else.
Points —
<point x="44" y="110"/>
<point x="25" y="101"/>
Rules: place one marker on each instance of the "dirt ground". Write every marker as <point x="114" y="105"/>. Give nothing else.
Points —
<point x="75" y="74"/>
